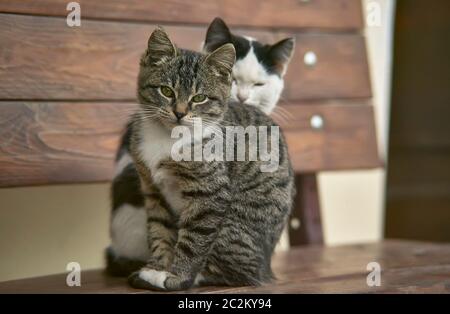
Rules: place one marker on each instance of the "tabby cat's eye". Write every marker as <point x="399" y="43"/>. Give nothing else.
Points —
<point x="167" y="91"/>
<point x="259" y="84"/>
<point x="199" y="98"/>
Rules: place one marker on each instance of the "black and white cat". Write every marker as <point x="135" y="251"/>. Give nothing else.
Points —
<point x="258" y="81"/>
<point x="259" y="69"/>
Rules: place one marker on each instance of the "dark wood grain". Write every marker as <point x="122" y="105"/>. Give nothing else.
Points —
<point x="307" y="212"/>
<point x="42" y="58"/>
<point x="407" y="267"/>
<point x="326" y="14"/>
<point x="50" y="143"/>
<point x="69" y="142"/>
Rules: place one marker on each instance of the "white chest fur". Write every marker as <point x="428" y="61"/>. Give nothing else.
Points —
<point x="156" y="146"/>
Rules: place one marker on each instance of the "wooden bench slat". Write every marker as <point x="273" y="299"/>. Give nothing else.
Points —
<point x="407" y="267"/>
<point x="336" y="14"/>
<point x="341" y="71"/>
<point x="346" y="141"/>
<point x="44" y="59"/>
<point x="73" y="142"/>
<point x="51" y="143"/>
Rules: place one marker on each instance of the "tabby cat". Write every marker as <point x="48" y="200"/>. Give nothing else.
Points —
<point x="258" y="71"/>
<point x="213" y="222"/>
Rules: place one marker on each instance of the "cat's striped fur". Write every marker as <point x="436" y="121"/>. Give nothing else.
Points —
<point x="208" y="222"/>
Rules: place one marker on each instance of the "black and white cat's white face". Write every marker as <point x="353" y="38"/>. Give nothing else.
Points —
<point x="259" y="68"/>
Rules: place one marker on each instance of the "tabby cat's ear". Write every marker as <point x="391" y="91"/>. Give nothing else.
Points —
<point x="217" y="35"/>
<point x="222" y="60"/>
<point x="160" y="49"/>
<point x="281" y="53"/>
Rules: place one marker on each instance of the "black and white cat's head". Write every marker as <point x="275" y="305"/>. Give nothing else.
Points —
<point x="259" y="68"/>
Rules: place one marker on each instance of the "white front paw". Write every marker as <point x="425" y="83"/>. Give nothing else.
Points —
<point x="156" y="278"/>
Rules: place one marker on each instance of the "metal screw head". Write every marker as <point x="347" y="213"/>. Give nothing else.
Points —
<point x="310" y="58"/>
<point x="317" y="122"/>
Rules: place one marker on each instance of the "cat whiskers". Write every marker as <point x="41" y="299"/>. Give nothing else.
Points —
<point x="283" y="115"/>
<point x="219" y="123"/>
<point x="211" y="124"/>
<point x="149" y="113"/>
<point x="286" y="112"/>
<point x="124" y="111"/>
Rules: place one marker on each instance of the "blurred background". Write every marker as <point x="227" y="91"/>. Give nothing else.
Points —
<point x="409" y="198"/>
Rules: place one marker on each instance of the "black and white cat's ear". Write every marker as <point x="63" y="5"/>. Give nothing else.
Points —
<point x="218" y="34"/>
<point x="281" y="53"/>
<point x="160" y="48"/>
<point x="222" y="60"/>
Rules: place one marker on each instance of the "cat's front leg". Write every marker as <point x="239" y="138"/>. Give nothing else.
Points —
<point x="206" y="194"/>
<point x="195" y="240"/>
<point x="162" y="234"/>
<point x="191" y="252"/>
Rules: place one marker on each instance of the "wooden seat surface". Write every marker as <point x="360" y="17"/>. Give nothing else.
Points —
<point x="407" y="267"/>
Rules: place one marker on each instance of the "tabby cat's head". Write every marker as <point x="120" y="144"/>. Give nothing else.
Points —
<point x="175" y="85"/>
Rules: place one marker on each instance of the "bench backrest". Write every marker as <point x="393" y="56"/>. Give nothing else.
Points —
<point x="65" y="92"/>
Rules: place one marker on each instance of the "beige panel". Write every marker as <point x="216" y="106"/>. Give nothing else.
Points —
<point x="44" y="228"/>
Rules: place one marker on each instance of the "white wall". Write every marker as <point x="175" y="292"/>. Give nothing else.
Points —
<point x="44" y="228"/>
<point x="353" y="201"/>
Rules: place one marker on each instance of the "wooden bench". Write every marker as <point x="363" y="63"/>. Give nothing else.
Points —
<point x="66" y="92"/>
<point x="406" y="267"/>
